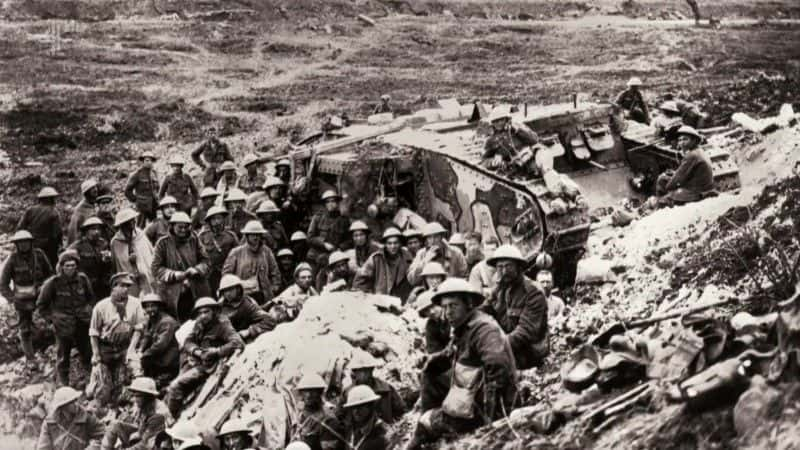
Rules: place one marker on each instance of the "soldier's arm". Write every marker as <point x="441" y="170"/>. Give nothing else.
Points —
<point x="232" y="340"/>
<point x="532" y="323"/>
<point x="190" y="344"/>
<point x="230" y="264"/>
<point x="193" y="189"/>
<point x="158" y="267"/>
<point x="524" y="133"/>
<point x="5" y="278"/>
<point x="45" y="299"/>
<point x="398" y="405"/>
<point x="260" y="320"/>
<point x="196" y="153"/>
<point x="490" y="343"/>
<point x="682" y="174"/>
<point x="415" y="269"/>
<point x="459" y="263"/>
<point x="96" y="428"/>
<point x="202" y="265"/>
<point x="129" y="188"/>
<point x="331" y="434"/>
<point x="164" y="185"/>
<point x="87" y="285"/>
<point x="154" y="425"/>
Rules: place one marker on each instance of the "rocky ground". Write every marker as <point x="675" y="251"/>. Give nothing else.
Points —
<point x="84" y="97"/>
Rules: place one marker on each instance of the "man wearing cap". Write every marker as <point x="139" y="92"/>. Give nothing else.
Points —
<point x="252" y="180"/>
<point x="124" y="251"/>
<point x="179" y="185"/>
<point x="269" y="214"/>
<point x="214" y="153"/>
<point x="142" y="189"/>
<point x="115" y="330"/>
<point x="159" y="227"/>
<point x="385" y="271"/>
<point x="238" y="217"/>
<point x="364" y="429"/>
<point x="632" y="102"/>
<point x="149" y="419"/>
<point x="66" y="300"/>
<point x="255" y="264"/>
<point x="479" y="349"/>
<point x="286" y="265"/>
<point x="68" y="426"/>
<point x="208" y="198"/>
<point x="328" y="230"/>
<point x="519" y="306"/>
<point x="336" y="276"/>
<point x="241" y="310"/>
<point x="363" y="247"/>
<point x="105" y="212"/>
<point x="507" y="140"/>
<point x="389" y="405"/>
<point x="296" y="295"/>
<point x="228" y="179"/>
<point x="158" y="348"/>
<point x="316" y="423"/>
<point x="235" y="435"/>
<point x="413" y="238"/>
<point x="693" y="178"/>
<point x="85" y="209"/>
<point x="95" y="256"/>
<point x="180" y="265"/>
<point x="437" y="250"/>
<point x="212" y="338"/>
<point x="27" y="267"/>
<point x="217" y="242"/>
<point x="43" y="222"/>
<point x="482" y="276"/>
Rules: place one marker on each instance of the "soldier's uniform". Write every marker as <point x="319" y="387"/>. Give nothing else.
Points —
<point x="633" y="102"/>
<point x="142" y="191"/>
<point x="156" y="230"/>
<point x="237" y="220"/>
<point x="43" y="222"/>
<point x="94" y="264"/>
<point x="217" y="247"/>
<point x="319" y="429"/>
<point x="182" y="188"/>
<point x="326" y="227"/>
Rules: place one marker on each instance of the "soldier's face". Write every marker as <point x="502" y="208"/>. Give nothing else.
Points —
<point x="217" y="221"/>
<point x="311" y="397"/>
<point x="304" y="279"/>
<point x="341" y="269"/>
<point x="508" y="270"/>
<point x="274" y="193"/>
<point x="182" y="230"/>
<point x="24" y="246"/>
<point x="234" y="441"/>
<point x="176" y="168"/>
<point x="433" y="241"/>
<point x="393" y="246"/>
<point x="414" y="244"/>
<point x="92" y="192"/>
<point x="229" y="175"/>
<point x="359" y="238"/>
<point x="147" y="163"/>
<point x="139" y="400"/>
<point x="167" y="211"/>
<point x="455" y="309"/>
<point x="127" y="227"/>
<point x="208" y="202"/>
<point x="473" y="245"/>
<point x="362" y="413"/>
<point x="361" y="376"/>
<point x="253" y="240"/>
<point x="235" y="206"/>
<point x="231" y="294"/>
<point x="106" y="206"/>
<point x="434" y="281"/>
<point x="93" y="233"/>
<point x="499" y="124"/>
<point x="331" y="204"/>
<point x="120" y="291"/>
<point x="686" y="142"/>
<point x="287" y="262"/>
<point x="69" y="268"/>
<point x="204" y="315"/>
<point x="151" y="310"/>
<point x="282" y="172"/>
<point x="489" y="248"/>
<point x="545" y="280"/>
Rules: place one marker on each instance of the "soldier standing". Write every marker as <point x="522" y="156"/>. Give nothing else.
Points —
<point x="179" y="185"/>
<point x="95" y="255"/>
<point x="217" y="242"/>
<point x="209" y="156"/>
<point x="238" y="217"/>
<point x="632" y="102"/>
<point x="208" y="198"/>
<point x="85" y="209"/>
<point x="254" y="263"/>
<point x="252" y="180"/>
<point x="43" y="222"/>
<point x="329" y="229"/>
<point x="142" y="189"/>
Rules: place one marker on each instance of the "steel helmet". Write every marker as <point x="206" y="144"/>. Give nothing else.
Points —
<point x="228" y="281"/>
<point x="544" y="261"/>
<point x="433" y="268"/>
<point x="267" y="206"/>
<point x="250" y="158"/>
<point x="424" y="302"/>
<point x="298" y="236"/>
<point x="64" y="396"/>
<point x="253" y="227"/>
<point x="456" y="286"/>
<point x="192" y="443"/>
<point x="669" y="105"/>
<point x="433" y="228"/>
<point x="359" y="225"/>
<point x="457" y="239"/>
<point x="105" y="198"/>
<point x="236" y="195"/>
<point x="147" y="155"/>
<point x="283" y="162"/>
<point x="152" y="298"/>
<point x="144" y="385"/>
<point x="233" y="426"/>
<point x="298" y="445"/>
<point x="208" y="192"/>
<point x="91" y="222"/>
<point x="505" y="251"/>
<point x="336" y="257"/>
<point x="47" y="192"/>
<point x="271" y="182"/>
<point x="21" y="235"/>
<point x="215" y="211"/>
<point x="412" y="233"/>
<point x="285" y="252"/>
<point x="69" y="254"/>
<point x="686" y="129"/>
<point x="363" y="360"/>
<point x="184" y="430"/>
<point x="167" y="200"/>
<point x="88" y="184"/>
<point x="329" y="194"/>
<point x="301" y="267"/>
<point x="176" y="160"/>
<point x="205" y="302"/>
<point x="391" y="232"/>
<point x="360" y="395"/>
<point x="500" y="112"/>
<point x="635" y="81"/>
<point x="311" y="380"/>
<point x="180" y="217"/>
<point x="226" y="166"/>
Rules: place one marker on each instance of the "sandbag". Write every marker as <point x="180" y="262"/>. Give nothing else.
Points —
<point x="594" y="270"/>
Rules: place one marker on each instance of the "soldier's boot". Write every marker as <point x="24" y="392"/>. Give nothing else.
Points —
<point x="26" y="342"/>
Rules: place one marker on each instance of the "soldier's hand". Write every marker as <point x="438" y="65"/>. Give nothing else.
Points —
<point x="180" y="276"/>
<point x="210" y="355"/>
<point x="244" y="334"/>
<point x="192" y="272"/>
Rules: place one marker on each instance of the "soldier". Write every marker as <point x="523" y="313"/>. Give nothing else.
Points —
<point x="235" y="435"/>
<point x="473" y="250"/>
<point x="363" y="247"/>
<point x="160" y="226"/>
<point x="365" y="430"/>
<point x="413" y="238"/>
<point x="316" y="423"/>
<point x="142" y="189"/>
<point x="84" y="209"/>
<point x="337" y="276"/>
<point x="43" y="222"/>
<point x="508" y="139"/>
<point x="115" y="330"/>
<point x="384" y="107"/>
<point x="296" y="295"/>
<point x="693" y="179"/>
<point x="217" y="242"/>
<point x="27" y="267"/>
<point x="150" y="418"/>
<point x="385" y="270"/>
<point x="181" y="267"/>
<point x="433" y="274"/>
<point x="208" y="198"/>
<point x="105" y="212"/>
<point x="123" y="250"/>
<point x="214" y="152"/>
<point x="299" y="245"/>
<point x="255" y="264"/>
<point x="66" y="300"/>
<point x="272" y="189"/>
<point x="437" y="329"/>
<point x="519" y="306"/>
<point x="479" y="347"/>
<point x="252" y="180"/>
<point x="328" y="230"/>
<point x="237" y="215"/>
<point x="95" y="256"/>
<point x="436" y="249"/>
<point x="390" y="406"/>
<point x="68" y="426"/>
<point x="283" y="170"/>
<point x="183" y="431"/>
<point x="158" y="348"/>
<point x="276" y="236"/>
<point x="482" y="276"/>
<point x="228" y="178"/>
<point x="632" y="102"/>
<point x="241" y="310"/>
<point x="555" y="305"/>
<point x="179" y="185"/>
<point x="286" y="266"/>
<point x="212" y="337"/>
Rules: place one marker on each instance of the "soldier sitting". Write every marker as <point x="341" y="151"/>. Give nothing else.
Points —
<point x="235" y="435"/>
<point x="142" y="189"/>
<point x="43" y="222"/>
<point x="316" y="423"/>
<point x="179" y="185"/>
<point x="364" y="428"/>
<point x="693" y="179"/>
<point x="507" y="141"/>
<point x="242" y="311"/>
<point x="69" y="426"/>
<point x="158" y="348"/>
<point x="159" y="227"/>
<point x="390" y="406"/>
<point x="150" y="418"/>
<point x="632" y="102"/>
<point x="337" y="276"/>
<point x="296" y="295"/>
<point x="328" y="230"/>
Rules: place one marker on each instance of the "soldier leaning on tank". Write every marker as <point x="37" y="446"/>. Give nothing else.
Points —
<point x="142" y="189"/>
<point x="43" y="222"/>
<point x="632" y="102"/>
<point x="95" y="255"/>
<point x="179" y="185"/>
<point x="209" y="156"/>
<point x="27" y="267"/>
<point x="217" y="242"/>
<point x="693" y="178"/>
<point x="507" y="140"/>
